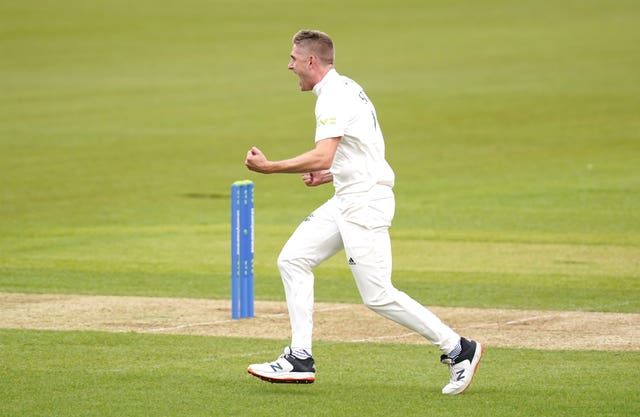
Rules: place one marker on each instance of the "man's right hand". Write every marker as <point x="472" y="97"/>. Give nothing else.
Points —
<point x="312" y="179"/>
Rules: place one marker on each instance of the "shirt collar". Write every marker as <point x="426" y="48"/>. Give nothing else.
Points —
<point x="331" y="74"/>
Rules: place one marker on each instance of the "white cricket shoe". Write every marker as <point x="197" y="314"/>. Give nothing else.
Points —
<point x="462" y="367"/>
<point x="286" y="369"/>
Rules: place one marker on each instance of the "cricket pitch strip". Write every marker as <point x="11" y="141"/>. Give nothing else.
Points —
<point x="530" y="329"/>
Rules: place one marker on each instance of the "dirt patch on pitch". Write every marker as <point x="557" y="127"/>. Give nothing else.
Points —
<point x="336" y="322"/>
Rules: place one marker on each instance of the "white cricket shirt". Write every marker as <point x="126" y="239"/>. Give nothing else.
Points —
<point x="343" y="109"/>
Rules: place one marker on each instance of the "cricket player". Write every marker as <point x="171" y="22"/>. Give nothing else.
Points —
<point x="349" y="152"/>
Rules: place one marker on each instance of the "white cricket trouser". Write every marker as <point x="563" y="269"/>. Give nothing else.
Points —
<point x="359" y="224"/>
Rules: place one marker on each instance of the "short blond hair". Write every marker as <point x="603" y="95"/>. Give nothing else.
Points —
<point x="317" y="43"/>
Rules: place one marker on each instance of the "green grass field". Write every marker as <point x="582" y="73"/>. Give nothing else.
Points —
<point x="513" y="129"/>
<point x="98" y="374"/>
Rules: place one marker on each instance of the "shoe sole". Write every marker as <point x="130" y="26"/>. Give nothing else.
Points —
<point x="478" y="356"/>
<point x="289" y="378"/>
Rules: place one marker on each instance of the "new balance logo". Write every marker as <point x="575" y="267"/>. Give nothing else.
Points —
<point x="460" y="375"/>
<point x="276" y="367"/>
<point x="351" y="261"/>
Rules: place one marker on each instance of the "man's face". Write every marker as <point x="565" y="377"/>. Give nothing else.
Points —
<point x="300" y="64"/>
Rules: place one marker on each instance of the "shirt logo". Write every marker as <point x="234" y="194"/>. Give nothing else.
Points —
<point x="327" y="121"/>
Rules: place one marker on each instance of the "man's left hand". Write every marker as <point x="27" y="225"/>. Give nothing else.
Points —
<point x="256" y="161"/>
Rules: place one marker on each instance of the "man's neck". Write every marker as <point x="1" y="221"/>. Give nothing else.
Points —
<point x="319" y="82"/>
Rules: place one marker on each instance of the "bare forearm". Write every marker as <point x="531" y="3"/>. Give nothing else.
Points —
<point x="306" y="162"/>
<point x="318" y="159"/>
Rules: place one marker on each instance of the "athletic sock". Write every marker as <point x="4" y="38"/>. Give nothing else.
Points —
<point x="301" y="353"/>
<point x="455" y="352"/>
